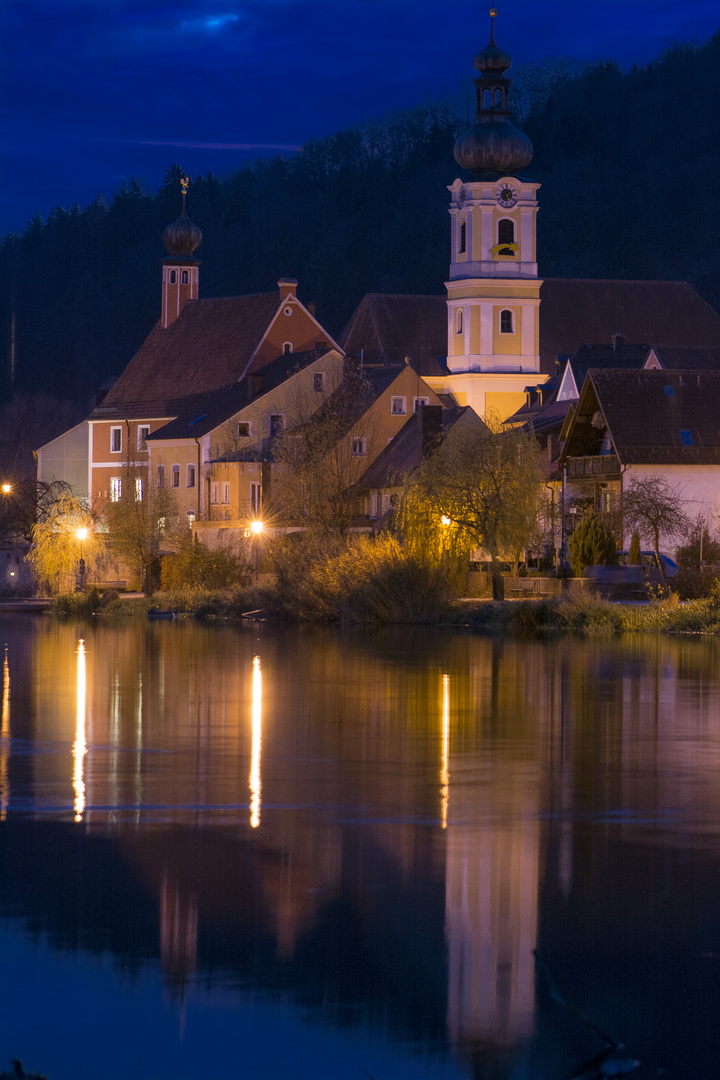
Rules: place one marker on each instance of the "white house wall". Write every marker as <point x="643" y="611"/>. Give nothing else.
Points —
<point x="698" y="485"/>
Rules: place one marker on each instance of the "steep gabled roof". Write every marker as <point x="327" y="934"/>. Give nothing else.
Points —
<point x="651" y="416"/>
<point x="208" y="346"/>
<point x="387" y="327"/>
<point x="204" y="412"/>
<point x="573" y="311"/>
<point x="688" y="358"/>
<point x="404" y="453"/>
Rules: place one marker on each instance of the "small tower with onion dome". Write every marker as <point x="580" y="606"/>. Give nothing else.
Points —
<point x="493" y="287"/>
<point x="180" y="269"/>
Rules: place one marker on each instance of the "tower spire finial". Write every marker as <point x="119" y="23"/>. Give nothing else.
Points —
<point x="493" y="15"/>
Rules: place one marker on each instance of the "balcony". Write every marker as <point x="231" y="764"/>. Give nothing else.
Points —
<point x="598" y="465"/>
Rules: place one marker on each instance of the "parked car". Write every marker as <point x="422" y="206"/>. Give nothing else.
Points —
<point x="670" y="567"/>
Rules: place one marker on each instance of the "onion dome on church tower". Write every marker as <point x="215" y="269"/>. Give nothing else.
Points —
<point x="493" y="144"/>
<point x="182" y="237"/>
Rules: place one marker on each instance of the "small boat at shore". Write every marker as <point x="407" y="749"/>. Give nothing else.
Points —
<point x="156" y="613"/>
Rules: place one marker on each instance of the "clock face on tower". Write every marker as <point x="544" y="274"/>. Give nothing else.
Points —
<point x="507" y="195"/>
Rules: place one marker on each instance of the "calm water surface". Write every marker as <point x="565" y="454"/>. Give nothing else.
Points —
<point x="327" y="854"/>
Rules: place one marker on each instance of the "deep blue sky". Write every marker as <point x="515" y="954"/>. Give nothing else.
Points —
<point x="97" y="90"/>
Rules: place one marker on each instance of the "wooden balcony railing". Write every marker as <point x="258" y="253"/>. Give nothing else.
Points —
<point x="596" y="465"/>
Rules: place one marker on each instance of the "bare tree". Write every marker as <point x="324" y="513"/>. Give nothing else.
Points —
<point x="654" y="508"/>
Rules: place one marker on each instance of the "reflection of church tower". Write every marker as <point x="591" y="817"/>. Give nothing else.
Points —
<point x="181" y="268"/>
<point x="493" y="289"/>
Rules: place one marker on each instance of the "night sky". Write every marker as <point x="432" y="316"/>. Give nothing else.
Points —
<point x="95" y="91"/>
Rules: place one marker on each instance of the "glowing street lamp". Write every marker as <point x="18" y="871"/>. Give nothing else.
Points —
<point x="6" y="489"/>
<point x="81" y="535"/>
<point x="256" y="528"/>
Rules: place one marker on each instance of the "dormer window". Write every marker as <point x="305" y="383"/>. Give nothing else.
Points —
<point x="287" y="347"/>
<point x="506" y="322"/>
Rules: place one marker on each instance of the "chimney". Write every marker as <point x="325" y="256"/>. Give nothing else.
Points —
<point x="288" y="287"/>
<point x="618" y="340"/>
<point x="430" y="422"/>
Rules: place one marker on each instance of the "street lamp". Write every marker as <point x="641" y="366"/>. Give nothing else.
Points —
<point x="81" y="535"/>
<point x="6" y="489"/>
<point x="256" y="528"/>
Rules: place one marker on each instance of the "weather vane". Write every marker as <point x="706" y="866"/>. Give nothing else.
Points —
<point x="184" y="183"/>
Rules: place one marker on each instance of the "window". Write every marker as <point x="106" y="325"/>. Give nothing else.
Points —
<point x="115" y="440"/>
<point x="161" y="476"/>
<point x="190" y="476"/>
<point x="319" y="382"/>
<point x="142" y="433"/>
<point x="462" y="245"/>
<point x="506" y="322"/>
<point x="175" y="476"/>
<point x="669" y="392"/>
<point x="418" y="401"/>
<point x="255" y="496"/>
<point x="214" y="493"/>
<point x="686" y="437"/>
<point x="173" y="277"/>
<point x="277" y="424"/>
<point x="184" y="278"/>
<point x="190" y="517"/>
<point x="459" y="321"/>
<point x="287" y="347"/>
<point x="161" y="524"/>
<point x="506" y="235"/>
<point x="398" y="406"/>
<point x="115" y="489"/>
<point x="359" y="447"/>
<point x="244" y="429"/>
<point x="138" y="489"/>
<point x="225" y="492"/>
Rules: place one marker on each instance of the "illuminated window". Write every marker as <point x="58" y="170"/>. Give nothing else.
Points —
<point x="225" y="492"/>
<point x="462" y="246"/>
<point x="142" y="433"/>
<point x="115" y="489"/>
<point x="506" y="322"/>
<point x="244" y="429"/>
<point x="161" y="476"/>
<point x="175" y="476"/>
<point x="190" y="476"/>
<point x="138" y="489"/>
<point x="398" y="406"/>
<point x="319" y="382"/>
<point x="115" y="440"/>
<point x="359" y="447"/>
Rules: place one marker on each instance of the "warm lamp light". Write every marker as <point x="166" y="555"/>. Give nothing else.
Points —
<point x="257" y="526"/>
<point x="7" y="488"/>
<point x="81" y="534"/>
<point x="445" y="520"/>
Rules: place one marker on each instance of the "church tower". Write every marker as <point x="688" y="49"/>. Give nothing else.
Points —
<point x="180" y="268"/>
<point x="493" y="287"/>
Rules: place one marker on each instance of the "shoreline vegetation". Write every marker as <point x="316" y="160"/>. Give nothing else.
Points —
<point x="580" y="610"/>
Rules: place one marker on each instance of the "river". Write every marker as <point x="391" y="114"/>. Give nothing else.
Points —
<point x="310" y="852"/>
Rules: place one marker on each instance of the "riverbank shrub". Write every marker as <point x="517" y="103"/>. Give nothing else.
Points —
<point x="196" y="566"/>
<point x="361" y="579"/>
<point x="592" y="544"/>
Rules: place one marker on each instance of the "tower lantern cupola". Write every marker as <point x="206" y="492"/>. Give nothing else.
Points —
<point x="493" y="143"/>
<point x="180" y="269"/>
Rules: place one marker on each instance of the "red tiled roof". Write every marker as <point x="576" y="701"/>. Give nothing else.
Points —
<point x="206" y="348"/>
<point x="572" y="311"/>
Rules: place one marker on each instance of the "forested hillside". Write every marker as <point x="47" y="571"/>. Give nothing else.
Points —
<point x="626" y="160"/>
